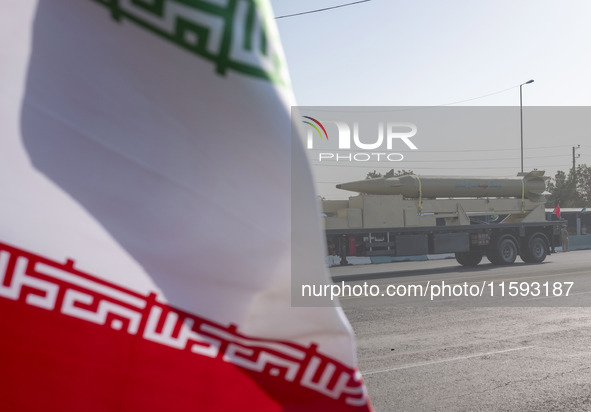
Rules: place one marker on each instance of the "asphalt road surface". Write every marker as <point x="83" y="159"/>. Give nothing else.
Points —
<point x="526" y="349"/>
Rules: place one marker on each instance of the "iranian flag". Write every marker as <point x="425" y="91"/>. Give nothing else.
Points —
<point x="148" y="181"/>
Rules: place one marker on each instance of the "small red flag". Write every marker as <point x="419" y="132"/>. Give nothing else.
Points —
<point x="556" y="211"/>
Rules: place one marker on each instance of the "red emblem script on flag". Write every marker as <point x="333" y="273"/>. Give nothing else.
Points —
<point x="84" y="343"/>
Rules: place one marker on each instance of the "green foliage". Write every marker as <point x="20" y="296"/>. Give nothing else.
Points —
<point x="373" y="175"/>
<point x="584" y="183"/>
<point x="572" y="190"/>
<point x="391" y="173"/>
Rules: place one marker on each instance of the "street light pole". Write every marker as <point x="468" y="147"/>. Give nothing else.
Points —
<point x="521" y="117"/>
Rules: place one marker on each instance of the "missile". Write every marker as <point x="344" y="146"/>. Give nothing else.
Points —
<point x="530" y="186"/>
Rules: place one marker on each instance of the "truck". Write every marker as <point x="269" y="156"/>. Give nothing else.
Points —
<point x="471" y="217"/>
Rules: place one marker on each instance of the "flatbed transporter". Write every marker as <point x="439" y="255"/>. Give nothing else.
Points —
<point x="472" y="217"/>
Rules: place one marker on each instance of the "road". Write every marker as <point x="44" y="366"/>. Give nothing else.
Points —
<point x="526" y="353"/>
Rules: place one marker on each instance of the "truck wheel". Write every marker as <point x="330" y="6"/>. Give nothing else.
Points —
<point x="536" y="250"/>
<point x="505" y="253"/>
<point x="468" y="258"/>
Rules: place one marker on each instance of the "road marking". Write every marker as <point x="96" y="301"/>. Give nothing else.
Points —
<point x="415" y="365"/>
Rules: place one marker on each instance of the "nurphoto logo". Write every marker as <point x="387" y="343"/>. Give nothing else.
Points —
<point x="363" y="146"/>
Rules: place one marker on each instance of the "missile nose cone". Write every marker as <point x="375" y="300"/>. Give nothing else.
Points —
<point x="363" y="186"/>
<point x="348" y="186"/>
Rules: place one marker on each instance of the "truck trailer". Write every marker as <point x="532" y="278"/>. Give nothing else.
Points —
<point x="472" y="217"/>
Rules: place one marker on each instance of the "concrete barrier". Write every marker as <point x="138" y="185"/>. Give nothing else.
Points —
<point x="352" y="260"/>
<point x="358" y="260"/>
<point x="581" y="242"/>
<point x="390" y="259"/>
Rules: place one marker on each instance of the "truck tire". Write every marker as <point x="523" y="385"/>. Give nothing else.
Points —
<point x="536" y="249"/>
<point x="468" y="258"/>
<point x="504" y="253"/>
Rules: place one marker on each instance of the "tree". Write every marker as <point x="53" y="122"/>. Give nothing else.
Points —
<point x="391" y="173"/>
<point x="373" y="175"/>
<point x="573" y="190"/>
<point x="584" y="183"/>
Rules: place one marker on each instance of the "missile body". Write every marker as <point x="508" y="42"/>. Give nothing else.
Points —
<point x="530" y="186"/>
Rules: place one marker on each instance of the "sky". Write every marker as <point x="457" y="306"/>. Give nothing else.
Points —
<point x="446" y="53"/>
